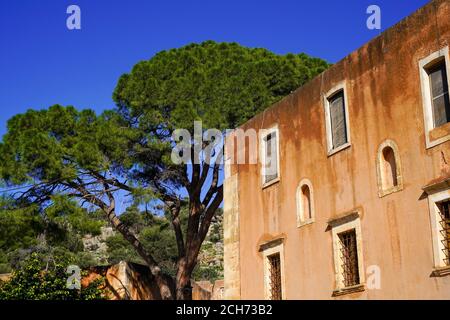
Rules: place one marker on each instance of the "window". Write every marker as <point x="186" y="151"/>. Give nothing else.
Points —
<point x="275" y="276"/>
<point x="439" y="94"/>
<point x="305" y="203"/>
<point x="336" y="113"/>
<point x="389" y="174"/>
<point x="337" y="117"/>
<point x="349" y="258"/>
<point x="347" y="254"/>
<point x="388" y="169"/>
<point x="273" y="269"/>
<point x="439" y="205"/>
<point x="444" y="213"/>
<point x="434" y="71"/>
<point x="270" y="150"/>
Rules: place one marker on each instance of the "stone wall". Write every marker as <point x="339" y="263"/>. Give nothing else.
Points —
<point x="131" y="281"/>
<point x="231" y="229"/>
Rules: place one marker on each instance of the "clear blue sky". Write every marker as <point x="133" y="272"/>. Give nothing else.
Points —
<point x="43" y="63"/>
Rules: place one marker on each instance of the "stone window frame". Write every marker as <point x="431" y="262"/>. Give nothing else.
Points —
<point x="269" y="249"/>
<point x="435" y="197"/>
<point x="442" y="133"/>
<point x="262" y="150"/>
<point x="379" y="161"/>
<point x="342" y="86"/>
<point x="338" y="226"/>
<point x="301" y="219"/>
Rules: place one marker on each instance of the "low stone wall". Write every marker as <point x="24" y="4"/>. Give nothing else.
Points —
<point x="131" y="281"/>
<point x="125" y="281"/>
<point x="205" y="290"/>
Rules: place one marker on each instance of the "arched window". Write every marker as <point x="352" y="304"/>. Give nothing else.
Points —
<point x="388" y="169"/>
<point x="389" y="172"/>
<point x="305" y="203"/>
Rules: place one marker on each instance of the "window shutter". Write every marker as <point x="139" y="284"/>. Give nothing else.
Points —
<point x="274" y="158"/>
<point x="338" y="125"/>
<point x="439" y="95"/>
<point x="271" y="161"/>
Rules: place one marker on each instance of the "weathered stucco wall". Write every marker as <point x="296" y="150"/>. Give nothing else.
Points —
<point x="384" y="102"/>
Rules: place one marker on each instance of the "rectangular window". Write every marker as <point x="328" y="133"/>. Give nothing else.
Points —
<point x="439" y="94"/>
<point x="434" y="82"/>
<point x="270" y="156"/>
<point x="439" y="206"/>
<point x="349" y="258"/>
<point x="273" y="259"/>
<point x="337" y="119"/>
<point x="275" y="277"/>
<point x="347" y="254"/>
<point x="444" y="213"/>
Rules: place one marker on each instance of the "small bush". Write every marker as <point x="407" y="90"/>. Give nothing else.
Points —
<point x="40" y="280"/>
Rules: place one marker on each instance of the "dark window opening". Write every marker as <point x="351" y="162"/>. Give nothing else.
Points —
<point x="389" y="169"/>
<point x="349" y="258"/>
<point x="306" y="202"/>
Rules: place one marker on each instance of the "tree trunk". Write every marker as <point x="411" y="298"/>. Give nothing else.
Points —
<point x="164" y="288"/>
<point x="183" y="281"/>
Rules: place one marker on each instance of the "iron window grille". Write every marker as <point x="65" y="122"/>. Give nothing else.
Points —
<point x="349" y="258"/>
<point x="275" y="277"/>
<point x="444" y="210"/>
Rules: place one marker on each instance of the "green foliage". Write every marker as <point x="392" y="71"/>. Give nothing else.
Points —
<point x="59" y="144"/>
<point x="137" y="220"/>
<point x="67" y="212"/>
<point x="5" y="267"/>
<point x="222" y="84"/>
<point x="160" y="240"/>
<point x="206" y="272"/>
<point x="19" y="228"/>
<point x="120" y="249"/>
<point x="37" y="280"/>
<point x="156" y="236"/>
<point x="58" y="229"/>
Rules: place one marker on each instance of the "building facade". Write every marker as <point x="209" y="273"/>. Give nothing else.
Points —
<point x="350" y="195"/>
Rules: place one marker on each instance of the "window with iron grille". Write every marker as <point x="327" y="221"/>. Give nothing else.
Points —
<point x="275" y="277"/>
<point x="349" y="258"/>
<point x="444" y="211"/>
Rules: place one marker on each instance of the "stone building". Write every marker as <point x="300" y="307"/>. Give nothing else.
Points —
<point x="356" y="202"/>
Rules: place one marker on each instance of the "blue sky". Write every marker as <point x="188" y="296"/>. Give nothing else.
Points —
<point x="43" y="63"/>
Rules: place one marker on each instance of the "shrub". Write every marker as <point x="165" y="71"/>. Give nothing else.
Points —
<point x="40" y="280"/>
